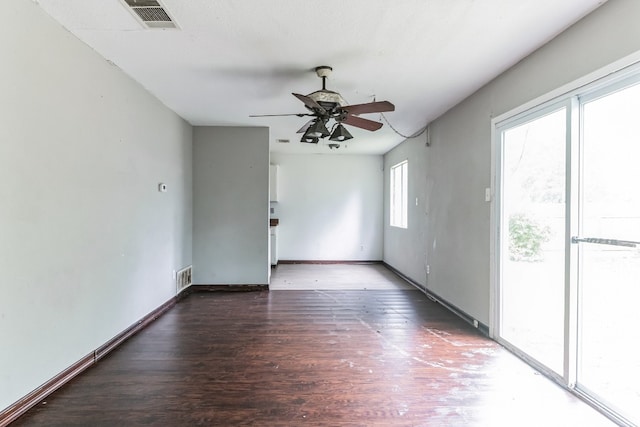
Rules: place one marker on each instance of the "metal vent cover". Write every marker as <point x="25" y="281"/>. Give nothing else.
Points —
<point x="151" y="13"/>
<point x="183" y="279"/>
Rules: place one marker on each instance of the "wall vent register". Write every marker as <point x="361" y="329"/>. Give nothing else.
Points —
<point x="150" y="13"/>
<point x="183" y="279"/>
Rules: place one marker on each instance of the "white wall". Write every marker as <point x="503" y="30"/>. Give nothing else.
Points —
<point x="87" y="243"/>
<point x="329" y="206"/>
<point x="459" y="160"/>
<point x="231" y="205"/>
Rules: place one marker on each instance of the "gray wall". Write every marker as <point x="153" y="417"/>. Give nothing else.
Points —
<point x="405" y="249"/>
<point x="329" y="206"/>
<point x="87" y="243"/>
<point x="458" y="167"/>
<point x="231" y="205"/>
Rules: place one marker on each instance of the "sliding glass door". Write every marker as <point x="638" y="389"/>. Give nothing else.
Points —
<point x="568" y="242"/>
<point x="533" y="224"/>
<point x="609" y="275"/>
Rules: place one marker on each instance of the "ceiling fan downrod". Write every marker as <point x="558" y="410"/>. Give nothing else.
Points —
<point x="323" y="71"/>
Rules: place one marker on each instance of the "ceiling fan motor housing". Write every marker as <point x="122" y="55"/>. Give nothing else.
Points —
<point x="328" y="99"/>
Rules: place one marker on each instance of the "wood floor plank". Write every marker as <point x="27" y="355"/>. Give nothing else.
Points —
<point x="323" y="358"/>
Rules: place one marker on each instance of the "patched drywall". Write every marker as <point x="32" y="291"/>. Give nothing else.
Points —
<point x="412" y="263"/>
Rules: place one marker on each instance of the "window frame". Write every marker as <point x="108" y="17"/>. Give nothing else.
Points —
<point x="399" y="194"/>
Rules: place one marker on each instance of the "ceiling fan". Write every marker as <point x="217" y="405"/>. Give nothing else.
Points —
<point x="325" y="105"/>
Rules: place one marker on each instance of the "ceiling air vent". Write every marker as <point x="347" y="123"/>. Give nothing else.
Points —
<point x="151" y="13"/>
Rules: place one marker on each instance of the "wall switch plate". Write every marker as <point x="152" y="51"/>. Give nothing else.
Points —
<point x="487" y="194"/>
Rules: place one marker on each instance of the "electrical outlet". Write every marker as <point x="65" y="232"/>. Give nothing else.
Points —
<point x="428" y="269"/>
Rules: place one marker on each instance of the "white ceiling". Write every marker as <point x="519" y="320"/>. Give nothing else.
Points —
<point x="233" y="58"/>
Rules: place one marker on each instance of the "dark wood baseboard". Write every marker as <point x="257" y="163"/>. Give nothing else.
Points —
<point x="10" y="414"/>
<point x="133" y="329"/>
<point x="484" y="329"/>
<point x="306" y="261"/>
<point x="226" y="288"/>
<point x="405" y="277"/>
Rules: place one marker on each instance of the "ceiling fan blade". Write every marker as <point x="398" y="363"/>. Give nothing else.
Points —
<point x="280" y="115"/>
<point x="304" y="128"/>
<point x="371" y="107"/>
<point x="310" y="103"/>
<point x="359" y="122"/>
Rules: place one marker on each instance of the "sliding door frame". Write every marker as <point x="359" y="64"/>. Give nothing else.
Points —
<point x="572" y="96"/>
<point x="499" y="235"/>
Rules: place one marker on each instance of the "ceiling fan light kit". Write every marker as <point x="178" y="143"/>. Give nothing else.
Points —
<point x="340" y="133"/>
<point x="309" y="140"/>
<point x="326" y="105"/>
<point x="317" y="130"/>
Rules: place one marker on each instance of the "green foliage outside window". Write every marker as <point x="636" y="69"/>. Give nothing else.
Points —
<point x="526" y="237"/>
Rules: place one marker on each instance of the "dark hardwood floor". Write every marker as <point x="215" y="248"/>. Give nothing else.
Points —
<point x="322" y="358"/>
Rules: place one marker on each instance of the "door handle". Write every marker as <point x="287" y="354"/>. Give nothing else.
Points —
<point x="599" y="241"/>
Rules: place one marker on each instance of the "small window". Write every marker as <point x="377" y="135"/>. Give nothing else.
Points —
<point x="398" y="194"/>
